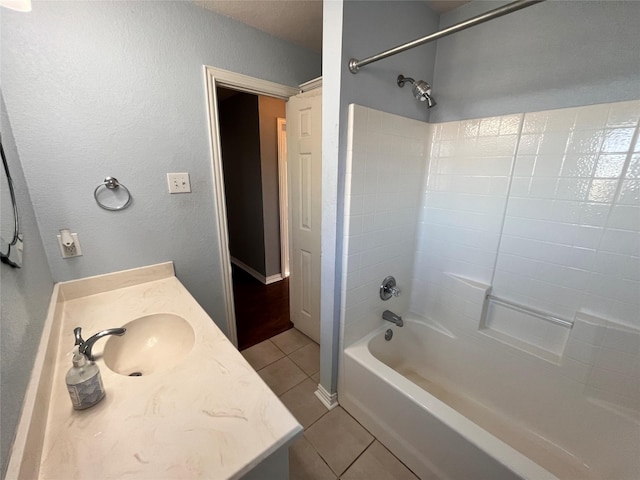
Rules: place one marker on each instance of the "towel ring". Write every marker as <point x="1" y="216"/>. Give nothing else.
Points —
<point x="112" y="184"/>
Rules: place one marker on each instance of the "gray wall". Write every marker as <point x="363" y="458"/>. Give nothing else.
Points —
<point x="552" y="55"/>
<point x="373" y="26"/>
<point x="270" y="109"/>
<point x="24" y="298"/>
<point x="116" y="88"/>
<point x="360" y="29"/>
<point x="240" y="139"/>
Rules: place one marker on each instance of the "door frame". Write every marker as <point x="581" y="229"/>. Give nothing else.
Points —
<point x="216" y="77"/>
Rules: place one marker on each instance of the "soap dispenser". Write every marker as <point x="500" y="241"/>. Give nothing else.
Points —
<point x="84" y="382"/>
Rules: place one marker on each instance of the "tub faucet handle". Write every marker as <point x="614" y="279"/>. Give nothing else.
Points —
<point x="388" y="288"/>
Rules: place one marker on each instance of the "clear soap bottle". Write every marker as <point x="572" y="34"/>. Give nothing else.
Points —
<point x="84" y="382"/>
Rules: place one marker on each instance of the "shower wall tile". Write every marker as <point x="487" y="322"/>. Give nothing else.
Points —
<point x="622" y="340"/>
<point x="385" y="169"/>
<point x="588" y="330"/>
<point x="624" y="114"/>
<point x="463" y="205"/>
<point x="605" y="357"/>
<point x="543" y="206"/>
<point x="573" y="213"/>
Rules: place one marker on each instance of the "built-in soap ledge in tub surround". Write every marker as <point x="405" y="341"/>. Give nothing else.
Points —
<point x="207" y="415"/>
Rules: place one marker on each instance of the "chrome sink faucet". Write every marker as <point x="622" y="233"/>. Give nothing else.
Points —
<point x="392" y="317"/>
<point x="85" y="346"/>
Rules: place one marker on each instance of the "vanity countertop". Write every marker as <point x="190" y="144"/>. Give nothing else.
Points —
<point x="208" y="416"/>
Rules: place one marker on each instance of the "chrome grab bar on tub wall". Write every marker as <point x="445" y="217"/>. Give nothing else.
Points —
<point x="531" y="311"/>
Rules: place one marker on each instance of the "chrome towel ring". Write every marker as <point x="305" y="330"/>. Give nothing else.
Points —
<point x="112" y="184"/>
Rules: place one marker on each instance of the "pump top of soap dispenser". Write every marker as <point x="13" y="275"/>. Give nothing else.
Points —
<point x="79" y="359"/>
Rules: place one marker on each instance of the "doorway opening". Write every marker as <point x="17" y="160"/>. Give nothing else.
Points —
<point x="214" y="78"/>
<point x="251" y="130"/>
<point x="300" y="209"/>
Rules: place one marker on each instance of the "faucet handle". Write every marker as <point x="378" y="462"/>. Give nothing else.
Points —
<point x="388" y="288"/>
<point x="77" y="332"/>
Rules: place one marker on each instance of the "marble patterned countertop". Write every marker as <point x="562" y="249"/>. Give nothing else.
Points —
<point x="208" y="416"/>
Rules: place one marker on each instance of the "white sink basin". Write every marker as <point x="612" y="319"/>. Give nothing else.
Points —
<point x="151" y="344"/>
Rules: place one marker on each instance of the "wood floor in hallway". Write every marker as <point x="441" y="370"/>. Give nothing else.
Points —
<point x="262" y="311"/>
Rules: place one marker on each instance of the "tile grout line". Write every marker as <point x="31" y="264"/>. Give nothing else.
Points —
<point x="315" y="421"/>
<point x="279" y="349"/>
<point x="365" y="449"/>
<point x="621" y="179"/>
<point x="297" y="384"/>
<point x="361" y="453"/>
<point x="322" y="458"/>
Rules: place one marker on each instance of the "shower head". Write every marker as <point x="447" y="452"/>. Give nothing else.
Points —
<point x="421" y="90"/>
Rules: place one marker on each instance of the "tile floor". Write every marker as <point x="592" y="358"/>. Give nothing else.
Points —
<point x="334" y="444"/>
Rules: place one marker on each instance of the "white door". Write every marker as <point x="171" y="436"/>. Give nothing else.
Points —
<point x="304" y="169"/>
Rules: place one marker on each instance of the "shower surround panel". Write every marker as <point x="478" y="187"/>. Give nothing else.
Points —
<point x="463" y="205"/>
<point x="553" y="224"/>
<point x="542" y="209"/>
<point x="385" y="169"/>
<point x="569" y="237"/>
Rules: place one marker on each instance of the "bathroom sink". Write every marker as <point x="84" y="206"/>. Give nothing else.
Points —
<point x="152" y="344"/>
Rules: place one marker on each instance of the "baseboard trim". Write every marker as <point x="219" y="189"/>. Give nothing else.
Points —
<point x="329" y="400"/>
<point x="255" y="274"/>
<point x="273" y="279"/>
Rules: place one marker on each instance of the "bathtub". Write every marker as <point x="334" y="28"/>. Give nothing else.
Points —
<point x="465" y="408"/>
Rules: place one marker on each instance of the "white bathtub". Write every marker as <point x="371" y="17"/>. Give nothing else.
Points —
<point x="464" y="408"/>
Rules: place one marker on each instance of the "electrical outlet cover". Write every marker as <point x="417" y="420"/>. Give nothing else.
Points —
<point x="179" y="183"/>
<point x="74" y="251"/>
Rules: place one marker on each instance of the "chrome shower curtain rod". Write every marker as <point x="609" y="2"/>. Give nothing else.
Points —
<point x="354" y="64"/>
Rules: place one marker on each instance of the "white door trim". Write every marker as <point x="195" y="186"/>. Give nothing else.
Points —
<point x="283" y="197"/>
<point x="217" y="77"/>
<point x="311" y="85"/>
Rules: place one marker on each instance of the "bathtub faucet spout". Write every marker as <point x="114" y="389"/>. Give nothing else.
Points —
<point x="392" y="317"/>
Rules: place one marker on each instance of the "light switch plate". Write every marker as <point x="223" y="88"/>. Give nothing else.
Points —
<point x="179" y="183"/>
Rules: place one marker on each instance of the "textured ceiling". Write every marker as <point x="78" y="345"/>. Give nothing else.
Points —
<point x="297" y="21"/>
